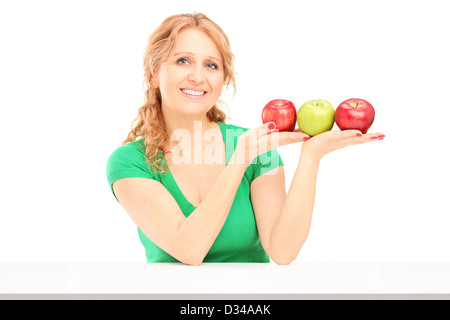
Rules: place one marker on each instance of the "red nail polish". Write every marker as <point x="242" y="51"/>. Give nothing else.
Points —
<point x="381" y="136"/>
<point x="374" y="138"/>
<point x="359" y="135"/>
<point x="271" y="126"/>
<point x="306" y="138"/>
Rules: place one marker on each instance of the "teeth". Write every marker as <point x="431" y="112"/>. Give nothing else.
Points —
<point x="193" y="93"/>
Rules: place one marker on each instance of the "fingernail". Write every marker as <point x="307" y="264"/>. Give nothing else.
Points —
<point x="271" y="126"/>
<point x="374" y="138"/>
<point x="359" y="135"/>
<point x="306" y="138"/>
<point x="381" y="136"/>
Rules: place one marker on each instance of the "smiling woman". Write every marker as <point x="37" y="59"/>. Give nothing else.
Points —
<point x="150" y="122"/>
<point x="191" y="72"/>
<point x="230" y="206"/>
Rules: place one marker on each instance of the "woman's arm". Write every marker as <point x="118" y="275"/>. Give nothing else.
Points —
<point x="284" y="220"/>
<point x="159" y="217"/>
<point x="157" y="214"/>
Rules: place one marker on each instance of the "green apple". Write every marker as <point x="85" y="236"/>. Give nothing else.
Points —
<point x="315" y="116"/>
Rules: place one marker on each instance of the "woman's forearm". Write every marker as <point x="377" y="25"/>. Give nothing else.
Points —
<point x="198" y="232"/>
<point x="292" y="226"/>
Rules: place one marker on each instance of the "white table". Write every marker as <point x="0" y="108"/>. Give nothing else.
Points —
<point x="218" y="280"/>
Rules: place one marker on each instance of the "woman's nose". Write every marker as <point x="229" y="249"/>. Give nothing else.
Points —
<point x="197" y="74"/>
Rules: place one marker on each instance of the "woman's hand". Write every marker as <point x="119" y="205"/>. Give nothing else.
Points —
<point x="324" y="143"/>
<point x="255" y="142"/>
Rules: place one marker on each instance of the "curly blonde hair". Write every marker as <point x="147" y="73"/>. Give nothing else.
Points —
<point x="149" y="123"/>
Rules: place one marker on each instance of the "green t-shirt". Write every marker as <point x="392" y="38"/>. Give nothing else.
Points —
<point x="238" y="240"/>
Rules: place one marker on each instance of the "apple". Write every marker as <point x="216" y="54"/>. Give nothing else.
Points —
<point x="315" y="116"/>
<point x="355" y="114"/>
<point x="282" y="112"/>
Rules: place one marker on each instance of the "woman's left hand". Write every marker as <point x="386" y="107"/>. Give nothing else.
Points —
<point x="329" y="141"/>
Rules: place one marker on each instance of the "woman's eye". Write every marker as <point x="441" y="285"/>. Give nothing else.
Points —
<point x="212" y="65"/>
<point x="186" y="61"/>
<point x="183" y="61"/>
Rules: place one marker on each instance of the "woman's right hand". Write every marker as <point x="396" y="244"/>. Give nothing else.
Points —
<point x="257" y="141"/>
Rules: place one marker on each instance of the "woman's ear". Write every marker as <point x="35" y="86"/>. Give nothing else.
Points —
<point x="154" y="82"/>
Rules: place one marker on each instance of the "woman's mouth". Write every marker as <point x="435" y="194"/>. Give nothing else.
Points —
<point x="195" y="93"/>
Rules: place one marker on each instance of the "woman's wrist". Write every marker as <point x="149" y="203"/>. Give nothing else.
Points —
<point x="239" y="163"/>
<point x="309" y="155"/>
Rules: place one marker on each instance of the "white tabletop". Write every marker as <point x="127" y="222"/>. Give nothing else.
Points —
<point x="220" y="278"/>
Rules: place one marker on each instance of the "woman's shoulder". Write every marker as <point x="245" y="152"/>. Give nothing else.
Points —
<point x="232" y="129"/>
<point x="130" y="154"/>
<point x="232" y="126"/>
<point x="131" y="149"/>
<point x="128" y="160"/>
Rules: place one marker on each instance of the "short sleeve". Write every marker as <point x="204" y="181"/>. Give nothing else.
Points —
<point x="127" y="162"/>
<point x="266" y="162"/>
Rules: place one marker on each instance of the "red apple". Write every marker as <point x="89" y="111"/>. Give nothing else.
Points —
<point x="282" y="112"/>
<point x="355" y="114"/>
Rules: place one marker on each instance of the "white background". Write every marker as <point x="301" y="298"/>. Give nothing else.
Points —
<point x="71" y="83"/>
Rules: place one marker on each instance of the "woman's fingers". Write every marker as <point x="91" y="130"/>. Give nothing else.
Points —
<point x="266" y="128"/>
<point x="291" y="137"/>
<point x="280" y="138"/>
<point x="268" y="133"/>
<point x="360" y="138"/>
<point x="267" y="137"/>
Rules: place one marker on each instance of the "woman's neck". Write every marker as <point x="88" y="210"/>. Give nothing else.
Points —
<point x="192" y="135"/>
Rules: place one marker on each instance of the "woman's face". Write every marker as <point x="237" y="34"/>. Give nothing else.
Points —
<point x="191" y="79"/>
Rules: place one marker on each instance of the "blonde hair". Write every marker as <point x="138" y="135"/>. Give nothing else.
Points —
<point x="149" y="123"/>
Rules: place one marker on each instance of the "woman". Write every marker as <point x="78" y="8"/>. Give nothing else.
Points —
<point x="196" y="199"/>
